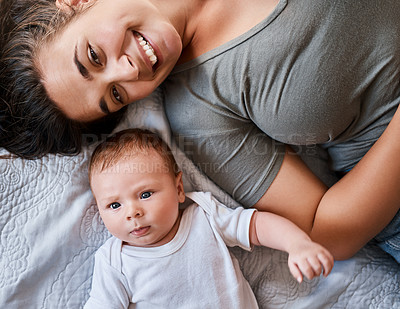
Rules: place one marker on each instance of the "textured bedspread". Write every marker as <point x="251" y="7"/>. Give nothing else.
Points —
<point x="50" y="229"/>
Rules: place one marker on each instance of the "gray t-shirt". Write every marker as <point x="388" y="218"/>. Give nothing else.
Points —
<point x="313" y="72"/>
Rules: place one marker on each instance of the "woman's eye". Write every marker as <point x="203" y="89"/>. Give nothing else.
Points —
<point x="115" y="205"/>
<point x="145" y="195"/>
<point x="116" y="94"/>
<point x="93" y="56"/>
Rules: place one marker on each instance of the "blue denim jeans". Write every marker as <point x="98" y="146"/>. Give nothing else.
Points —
<point x="389" y="238"/>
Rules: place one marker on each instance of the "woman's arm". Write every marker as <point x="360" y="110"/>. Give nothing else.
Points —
<point x="365" y="200"/>
<point x="305" y="256"/>
<point x="295" y="193"/>
<point x="354" y="210"/>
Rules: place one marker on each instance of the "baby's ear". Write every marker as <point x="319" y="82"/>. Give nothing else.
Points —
<point x="68" y="5"/>
<point x="179" y="188"/>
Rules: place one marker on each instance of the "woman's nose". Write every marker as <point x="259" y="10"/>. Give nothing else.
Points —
<point x="124" y="70"/>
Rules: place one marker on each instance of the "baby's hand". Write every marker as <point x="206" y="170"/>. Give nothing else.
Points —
<point x="310" y="259"/>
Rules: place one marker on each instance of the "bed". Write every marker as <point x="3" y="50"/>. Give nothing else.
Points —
<point x="50" y="230"/>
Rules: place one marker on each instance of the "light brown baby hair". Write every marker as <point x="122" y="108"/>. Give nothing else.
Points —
<point x="130" y="142"/>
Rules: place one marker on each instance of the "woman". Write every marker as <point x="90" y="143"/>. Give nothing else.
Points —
<point x="247" y="77"/>
<point x="31" y="125"/>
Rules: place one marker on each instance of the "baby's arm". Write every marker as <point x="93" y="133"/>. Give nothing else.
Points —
<point x="108" y="286"/>
<point x="305" y="256"/>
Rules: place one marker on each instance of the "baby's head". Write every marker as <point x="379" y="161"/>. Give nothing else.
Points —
<point x="137" y="187"/>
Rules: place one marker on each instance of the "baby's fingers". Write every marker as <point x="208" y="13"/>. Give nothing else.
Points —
<point x="295" y="271"/>
<point x="310" y="267"/>
<point x="315" y="264"/>
<point x="304" y="268"/>
<point x="327" y="262"/>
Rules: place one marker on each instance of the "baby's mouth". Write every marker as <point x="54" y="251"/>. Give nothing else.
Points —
<point x="140" y="231"/>
<point x="148" y="49"/>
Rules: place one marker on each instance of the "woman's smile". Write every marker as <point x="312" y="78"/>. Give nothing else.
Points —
<point x="127" y="48"/>
<point x="147" y="49"/>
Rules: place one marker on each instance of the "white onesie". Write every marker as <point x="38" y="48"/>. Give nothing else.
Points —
<point x="194" y="270"/>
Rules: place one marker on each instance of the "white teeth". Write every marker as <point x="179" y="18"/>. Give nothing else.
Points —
<point x="147" y="48"/>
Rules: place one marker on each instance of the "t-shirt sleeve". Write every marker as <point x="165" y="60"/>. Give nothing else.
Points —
<point x="243" y="161"/>
<point x="108" y="286"/>
<point x="233" y="225"/>
<point x="225" y="145"/>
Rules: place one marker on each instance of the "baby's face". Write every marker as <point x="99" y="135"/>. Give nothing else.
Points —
<point x="138" y="200"/>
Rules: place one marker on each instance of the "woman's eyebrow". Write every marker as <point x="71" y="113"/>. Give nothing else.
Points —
<point x="81" y="68"/>
<point x="104" y="107"/>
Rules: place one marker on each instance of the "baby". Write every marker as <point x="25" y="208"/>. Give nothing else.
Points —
<point x="162" y="255"/>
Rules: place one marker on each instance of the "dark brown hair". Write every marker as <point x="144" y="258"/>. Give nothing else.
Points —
<point x="31" y="125"/>
<point x="127" y="143"/>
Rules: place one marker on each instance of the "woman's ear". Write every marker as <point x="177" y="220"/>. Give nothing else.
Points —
<point x="67" y="5"/>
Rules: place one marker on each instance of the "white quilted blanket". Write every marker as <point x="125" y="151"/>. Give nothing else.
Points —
<point x="50" y="230"/>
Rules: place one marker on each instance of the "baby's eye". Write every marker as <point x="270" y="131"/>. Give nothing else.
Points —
<point x="115" y="205"/>
<point x="93" y="56"/>
<point x="145" y="195"/>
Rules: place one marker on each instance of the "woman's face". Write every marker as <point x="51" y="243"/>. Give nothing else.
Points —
<point x="112" y="54"/>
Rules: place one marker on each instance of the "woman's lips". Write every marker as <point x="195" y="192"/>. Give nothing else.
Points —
<point x="147" y="49"/>
<point x="140" y="231"/>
